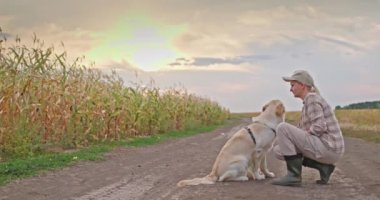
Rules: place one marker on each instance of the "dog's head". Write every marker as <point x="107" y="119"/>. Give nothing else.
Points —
<point x="276" y="107"/>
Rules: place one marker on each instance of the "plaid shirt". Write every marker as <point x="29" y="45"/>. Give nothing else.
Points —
<point x="318" y="118"/>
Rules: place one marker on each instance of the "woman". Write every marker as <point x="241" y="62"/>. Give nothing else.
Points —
<point x="315" y="142"/>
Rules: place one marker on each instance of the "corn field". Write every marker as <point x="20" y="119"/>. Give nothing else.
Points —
<point x="47" y="101"/>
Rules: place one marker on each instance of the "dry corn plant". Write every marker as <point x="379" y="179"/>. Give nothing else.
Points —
<point x="46" y="101"/>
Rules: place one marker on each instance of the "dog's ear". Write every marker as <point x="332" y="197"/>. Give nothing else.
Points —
<point x="280" y="110"/>
<point x="265" y="107"/>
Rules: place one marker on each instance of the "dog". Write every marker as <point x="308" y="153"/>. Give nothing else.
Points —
<point x="243" y="156"/>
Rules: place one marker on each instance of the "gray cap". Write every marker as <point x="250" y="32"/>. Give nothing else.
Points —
<point x="301" y="76"/>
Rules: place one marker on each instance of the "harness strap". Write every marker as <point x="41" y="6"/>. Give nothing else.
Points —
<point x="274" y="130"/>
<point x="251" y="134"/>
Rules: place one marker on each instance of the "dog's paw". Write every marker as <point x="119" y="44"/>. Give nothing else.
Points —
<point x="243" y="178"/>
<point x="270" y="174"/>
<point x="259" y="176"/>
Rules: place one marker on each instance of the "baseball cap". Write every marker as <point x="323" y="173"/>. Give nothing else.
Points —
<point x="301" y="76"/>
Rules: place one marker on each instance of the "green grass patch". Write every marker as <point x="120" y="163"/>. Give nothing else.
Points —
<point x="20" y="168"/>
<point x="367" y="135"/>
<point x="144" y="141"/>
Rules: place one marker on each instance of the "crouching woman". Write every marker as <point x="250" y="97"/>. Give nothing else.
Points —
<point x="315" y="142"/>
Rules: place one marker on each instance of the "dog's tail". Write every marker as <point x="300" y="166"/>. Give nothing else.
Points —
<point x="209" y="179"/>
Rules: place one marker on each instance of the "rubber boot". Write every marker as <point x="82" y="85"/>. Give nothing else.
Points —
<point x="325" y="170"/>
<point x="294" y="176"/>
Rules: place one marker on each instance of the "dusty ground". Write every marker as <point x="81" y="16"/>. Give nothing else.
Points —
<point x="152" y="173"/>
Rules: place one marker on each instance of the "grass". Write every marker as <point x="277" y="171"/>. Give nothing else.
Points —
<point x="358" y="123"/>
<point x="20" y="168"/>
<point x="367" y="135"/>
<point x="31" y="166"/>
<point x="145" y="141"/>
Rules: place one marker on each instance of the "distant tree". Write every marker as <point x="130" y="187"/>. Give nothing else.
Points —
<point x="362" y="105"/>
<point x="338" y="107"/>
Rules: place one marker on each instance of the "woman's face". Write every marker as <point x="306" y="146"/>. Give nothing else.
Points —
<point x="297" y="89"/>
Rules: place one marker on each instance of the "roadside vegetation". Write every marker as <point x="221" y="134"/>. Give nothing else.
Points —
<point x="24" y="167"/>
<point x="357" y="123"/>
<point x="54" y="112"/>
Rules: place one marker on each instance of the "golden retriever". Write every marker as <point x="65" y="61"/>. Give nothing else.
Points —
<point x="243" y="156"/>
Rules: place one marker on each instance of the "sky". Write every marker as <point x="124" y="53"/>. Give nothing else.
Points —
<point x="232" y="52"/>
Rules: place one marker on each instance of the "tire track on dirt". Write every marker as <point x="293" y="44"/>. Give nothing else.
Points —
<point x="157" y="166"/>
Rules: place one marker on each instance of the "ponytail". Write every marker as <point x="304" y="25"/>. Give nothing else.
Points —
<point x="314" y="89"/>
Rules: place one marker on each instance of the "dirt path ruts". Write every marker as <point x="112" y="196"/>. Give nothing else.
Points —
<point x="152" y="173"/>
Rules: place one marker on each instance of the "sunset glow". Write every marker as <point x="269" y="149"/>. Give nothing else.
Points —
<point x="139" y="40"/>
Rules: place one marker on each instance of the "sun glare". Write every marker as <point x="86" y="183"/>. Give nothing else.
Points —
<point x="140" y="41"/>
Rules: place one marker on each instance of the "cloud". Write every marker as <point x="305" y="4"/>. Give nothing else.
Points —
<point x="228" y="31"/>
<point x="6" y="20"/>
<point x="207" y="61"/>
<point x="242" y="67"/>
<point x="120" y="66"/>
<point x="341" y="43"/>
<point x="213" y="43"/>
<point x="74" y="41"/>
<point x="276" y="25"/>
<point x="243" y="30"/>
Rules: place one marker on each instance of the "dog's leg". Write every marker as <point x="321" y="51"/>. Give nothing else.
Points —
<point x="256" y="168"/>
<point x="232" y="175"/>
<point x="249" y="170"/>
<point x="236" y="172"/>
<point x="228" y="175"/>
<point x="240" y="178"/>
<point x="264" y="168"/>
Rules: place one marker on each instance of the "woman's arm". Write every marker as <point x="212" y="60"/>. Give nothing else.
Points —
<point x="315" y="114"/>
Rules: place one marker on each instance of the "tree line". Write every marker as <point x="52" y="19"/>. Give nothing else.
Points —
<point x="361" y="105"/>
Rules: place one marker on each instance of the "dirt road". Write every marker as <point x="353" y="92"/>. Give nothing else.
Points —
<point x="152" y="173"/>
